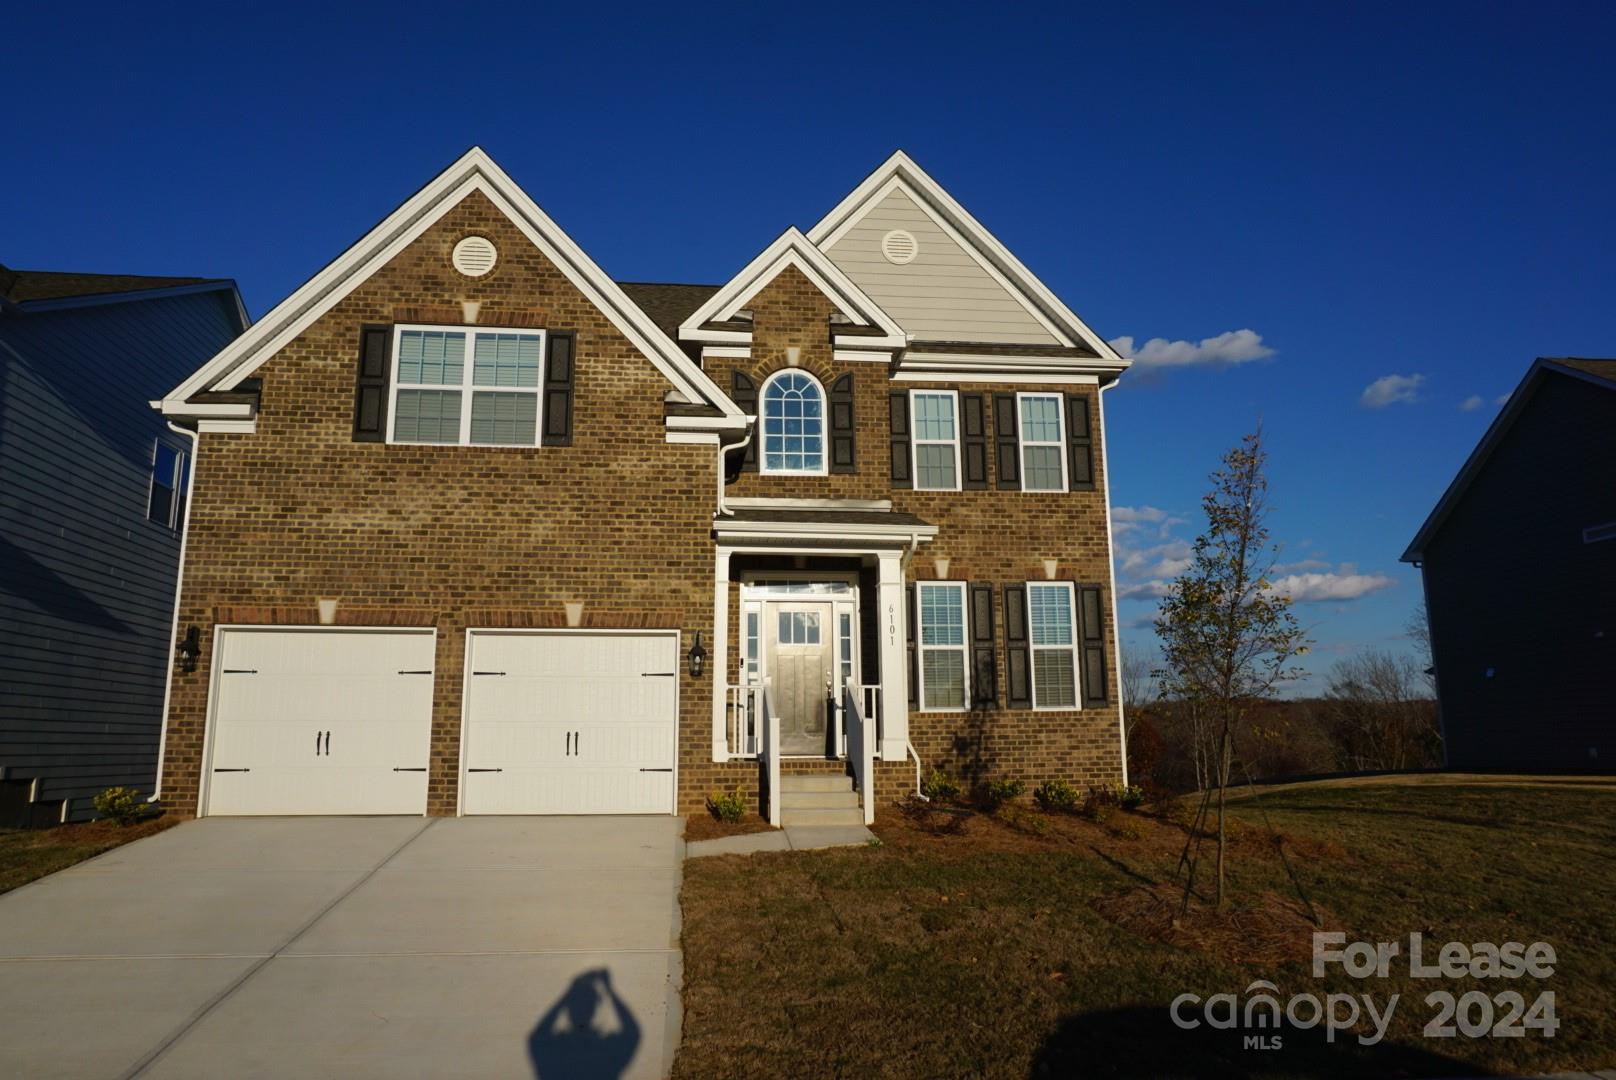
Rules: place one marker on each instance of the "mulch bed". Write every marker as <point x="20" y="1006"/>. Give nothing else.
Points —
<point x="704" y="826"/>
<point x="1265" y="929"/>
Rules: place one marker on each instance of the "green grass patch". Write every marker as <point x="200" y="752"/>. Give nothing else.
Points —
<point x="27" y="854"/>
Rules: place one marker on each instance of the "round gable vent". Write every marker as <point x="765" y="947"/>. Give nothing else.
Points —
<point x="474" y="256"/>
<point x="899" y="246"/>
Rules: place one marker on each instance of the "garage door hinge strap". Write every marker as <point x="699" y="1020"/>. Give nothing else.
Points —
<point x="488" y="673"/>
<point x="428" y="671"/>
<point x="658" y="674"/>
<point x="656" y="770"/>
<point x="240" y="671"/>
<point x="485" y="770"/>
<point x="232" y="770"/>
<point x="400" y="769"/>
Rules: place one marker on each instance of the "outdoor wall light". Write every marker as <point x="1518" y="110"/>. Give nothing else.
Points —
<point x="190" y="649"/>
<point x="698" y="657"/>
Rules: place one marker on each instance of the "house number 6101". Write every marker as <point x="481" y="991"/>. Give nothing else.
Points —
<point x="892" y="623"/>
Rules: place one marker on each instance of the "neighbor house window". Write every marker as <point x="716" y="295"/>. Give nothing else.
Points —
<point x="936" y="439"/>
<point x="167" y="481"/>
<point x="1054" y="650"/>
<point x="793" y="424"/>
<point x="942" y="644"/>
<point x="466" y="387"/>
<point x="1043" y="443"/>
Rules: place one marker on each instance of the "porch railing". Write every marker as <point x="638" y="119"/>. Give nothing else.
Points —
<point x="769" y="755"/>
<point x="869" y="699"/>
<point x="745" y="716"/>
<point x="860" y="751"/>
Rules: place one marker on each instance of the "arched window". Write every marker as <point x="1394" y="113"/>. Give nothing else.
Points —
<point x="793" y="424"/>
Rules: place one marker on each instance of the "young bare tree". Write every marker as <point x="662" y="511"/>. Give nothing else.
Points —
<point x="1378" y="715"/>
<point x="1136" y="687"/>
<point x="1227" y="638"/>
<point x="1418" y="629"/>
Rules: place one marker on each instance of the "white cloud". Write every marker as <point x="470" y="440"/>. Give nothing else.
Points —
<point x="1391" y="390"/>
<point x="1342" y="584"/>
<point x="1137" y="513"/>
<point x="1226" y="349"/>
<point x="1471" y="403"/>
<point x="1143" y="590"/>
<point x="1161" y="561"/>
<point x="1300" y="566"/>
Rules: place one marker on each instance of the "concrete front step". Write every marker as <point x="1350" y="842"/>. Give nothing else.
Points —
<point x="822" y="800"/>
<point x="817" y="816"/>
<point x="815" y="782"/>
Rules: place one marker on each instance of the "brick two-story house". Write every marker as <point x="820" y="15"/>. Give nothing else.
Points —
<point x="476" y="529"/>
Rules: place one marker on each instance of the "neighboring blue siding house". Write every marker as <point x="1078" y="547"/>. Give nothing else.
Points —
<point x="92" y="489"/>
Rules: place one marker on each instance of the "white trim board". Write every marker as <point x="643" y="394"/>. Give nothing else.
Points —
<point x="900" y="171"/>
<point x="475" y="171"/>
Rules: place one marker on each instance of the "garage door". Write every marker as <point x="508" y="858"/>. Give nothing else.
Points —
<point x="321" y="722"/>
<point x="571" y="723"/>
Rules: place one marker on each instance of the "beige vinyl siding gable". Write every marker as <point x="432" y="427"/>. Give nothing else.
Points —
<point x="943" y="294"/>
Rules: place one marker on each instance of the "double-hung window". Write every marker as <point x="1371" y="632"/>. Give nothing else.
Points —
<point x="936" y="439"/>
<point x="167" y="482"/>
<point x="466" y="387"/>
<point x="943" y="677"/>
<point x="1043" y="442"/>
<point x="1054" y="649"/>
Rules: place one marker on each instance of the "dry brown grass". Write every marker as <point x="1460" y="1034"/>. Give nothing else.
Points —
<point x="704" y="826"/>
<point x="27" y="854"/>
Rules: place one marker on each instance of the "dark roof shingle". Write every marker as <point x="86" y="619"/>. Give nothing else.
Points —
<point x="668" y="304"/>
<point x="21" y="286"/>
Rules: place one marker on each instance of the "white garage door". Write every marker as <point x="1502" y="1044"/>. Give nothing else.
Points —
<point x="571" y="723"/>
<point x="321" y="722"/>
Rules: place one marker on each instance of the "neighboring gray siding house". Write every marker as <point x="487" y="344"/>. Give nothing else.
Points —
<point x="92" y="485"/>
<point x="1519" y="565"/>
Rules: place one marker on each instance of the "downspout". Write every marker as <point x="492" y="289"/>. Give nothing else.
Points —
<point x="909" y="746"/>
<point x="724" y="450"/>
<point x="195" y="439"/>
<point x="1110" y="547"/>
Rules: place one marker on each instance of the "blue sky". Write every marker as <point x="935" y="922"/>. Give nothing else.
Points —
<point x="1414" y="191"/>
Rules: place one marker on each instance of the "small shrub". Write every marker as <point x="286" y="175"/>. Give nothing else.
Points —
<point x="1098" y="812"/>
<point x="1057" y="796"/>
<point x="1022" y="821"/>
<point x="728" y="807"/>
<point x="1130" y="796"/>
<point x="120" y="805"/>
<point x="932" y="818"/>
<point x="995" y="793"/>
<point x="940" y="787"/>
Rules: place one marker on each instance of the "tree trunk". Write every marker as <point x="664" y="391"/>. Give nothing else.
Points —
<point x="1223" y="782"/>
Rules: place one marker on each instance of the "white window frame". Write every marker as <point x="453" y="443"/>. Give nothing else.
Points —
<point x="1022" y="442"/>
<point x="921" y="648"/>
<point x="1033" y="649"/>
<point x="916" y="442"/>
<point x="466" y="386"/>
<point x="177" y="482"/>
<point x="824" y="426"/>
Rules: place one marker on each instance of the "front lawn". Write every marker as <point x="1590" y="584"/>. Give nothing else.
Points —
<point x="986" y="953"/>
<point x="26" y="854"/>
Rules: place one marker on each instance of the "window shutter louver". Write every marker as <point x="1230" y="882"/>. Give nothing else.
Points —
<point x="1079" y="444"/>
<point x="1091" y="631"/>
<point x="841" y="425"/>
<point x="902" y="471"/>
<point x="974" y="444"/>
<point x="559" y="369"/>
<point x="914" y="659"/>
<point x="371" y="384"/>
<point x="1017" y="654"/>
<point x="743" y="391"/>
<point x="984" y="669"/>
<point x="1006" y="446"/>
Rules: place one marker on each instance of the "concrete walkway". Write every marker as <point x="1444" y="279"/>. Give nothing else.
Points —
<point x="351" y="947"/>
<point x="795" y="838"/>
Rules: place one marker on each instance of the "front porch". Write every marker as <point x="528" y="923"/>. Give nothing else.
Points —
<point x="816" y="667"/>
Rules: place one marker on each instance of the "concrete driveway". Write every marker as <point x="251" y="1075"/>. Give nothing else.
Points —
<point x="352" y="947"/>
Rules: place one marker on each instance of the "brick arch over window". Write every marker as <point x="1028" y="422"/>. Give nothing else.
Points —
<point x="792" y="413"/>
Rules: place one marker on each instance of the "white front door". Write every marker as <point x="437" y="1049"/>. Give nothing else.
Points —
<point x="802" y="669"/>
<point x="571" y="722"/>
<point x="315" y="721"/>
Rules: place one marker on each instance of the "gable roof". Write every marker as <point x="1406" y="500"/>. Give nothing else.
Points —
<point x="667" y="303"/>
<point x="1595" y="372"/>
<point x="901" y="172"/>
<point x="792" y="248"/>
<point x="473" y="171"/>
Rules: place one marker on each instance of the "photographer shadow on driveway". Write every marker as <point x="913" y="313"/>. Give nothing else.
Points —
<point x="578" y="1039"/>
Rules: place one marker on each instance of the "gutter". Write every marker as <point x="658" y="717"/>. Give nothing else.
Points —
<point x="724" y="450"/>
<point x="195" y="440"/>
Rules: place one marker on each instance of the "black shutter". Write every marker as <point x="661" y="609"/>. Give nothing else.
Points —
<point x="974" y="444"/>
<point x="841" y="425"/>
<point x="914" y="658"/>
<point x="1091" y="639"/>
<point x="902" y="462"/>
<point x="984" y="671"/>
<point x="371" y="384"/>
<point x="1006" y="445"/>
<point x="743" y="391"/>
<point x="559" y="368"/>
<point x="1017" y="654"/>
<point x="1079" y="444"/>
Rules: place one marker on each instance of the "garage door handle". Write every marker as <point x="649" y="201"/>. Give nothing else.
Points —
<point x="232" y="770"/>
<point x="421" y="769"/>
<point x="485" y="770"/>
<point x="656" y="770"/>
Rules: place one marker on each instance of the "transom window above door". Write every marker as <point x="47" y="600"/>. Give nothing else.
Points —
<point x="466" y="387"/>
<point x="793" y="424"/>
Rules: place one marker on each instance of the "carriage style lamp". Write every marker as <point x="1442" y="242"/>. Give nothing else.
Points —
<point x="698" y="657"/>
<point x="190" y="649"/>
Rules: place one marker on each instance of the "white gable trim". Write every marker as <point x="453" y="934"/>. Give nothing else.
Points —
<point x="791" y="249"/>
<point x="474" y="171"/>
<point x="900" y="171"/>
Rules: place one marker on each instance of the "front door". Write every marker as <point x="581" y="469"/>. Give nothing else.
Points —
<point x="801" y="670"/>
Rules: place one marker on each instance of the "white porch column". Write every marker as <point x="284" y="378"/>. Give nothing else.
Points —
<point x="720" y="654"/>
<point x="894" y="658"/>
